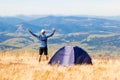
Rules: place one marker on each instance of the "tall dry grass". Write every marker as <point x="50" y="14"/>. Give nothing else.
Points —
<point x="24" y="65"/>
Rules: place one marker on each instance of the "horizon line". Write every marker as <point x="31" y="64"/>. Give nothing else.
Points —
<point x="55" y="15"/>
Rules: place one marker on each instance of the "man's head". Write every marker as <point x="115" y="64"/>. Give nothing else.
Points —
<point x="43" y="31"/>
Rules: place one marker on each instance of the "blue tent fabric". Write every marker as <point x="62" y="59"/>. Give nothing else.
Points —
<point x="70" y="55"/>
<point x="81" y="56"/>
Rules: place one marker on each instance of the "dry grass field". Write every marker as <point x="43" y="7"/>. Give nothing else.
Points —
<point x="24" y="65"/>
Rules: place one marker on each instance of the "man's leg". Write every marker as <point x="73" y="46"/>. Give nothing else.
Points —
<point x="46" y="52"/>
<point x="40" y="53"/>
<point x="46" y="57"/>
<point x="40" y="57"/>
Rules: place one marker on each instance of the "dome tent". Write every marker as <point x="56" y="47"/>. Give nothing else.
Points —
<point x="70" y="55"/>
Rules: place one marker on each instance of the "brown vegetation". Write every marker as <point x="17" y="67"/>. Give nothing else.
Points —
<point x="25" y="66"/>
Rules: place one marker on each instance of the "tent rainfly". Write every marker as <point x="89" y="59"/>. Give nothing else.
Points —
<point x="70" y="55"/>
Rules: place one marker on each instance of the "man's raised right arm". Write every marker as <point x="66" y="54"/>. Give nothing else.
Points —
<point x="32" y="33"/>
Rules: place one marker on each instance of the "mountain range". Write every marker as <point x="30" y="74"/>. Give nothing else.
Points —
<point x="63" y="24"/>
<point x="69" y="29"/>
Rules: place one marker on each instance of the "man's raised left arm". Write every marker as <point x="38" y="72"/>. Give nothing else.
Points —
<point x="51" y="33"/>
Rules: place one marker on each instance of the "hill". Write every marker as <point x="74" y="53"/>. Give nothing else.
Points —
<point x="92" y="33"/>
<point x="63" y="24"/>
<point x="72" y="24"/>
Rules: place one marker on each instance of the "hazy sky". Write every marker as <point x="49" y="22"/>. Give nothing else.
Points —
<point x="60" y="7"/>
